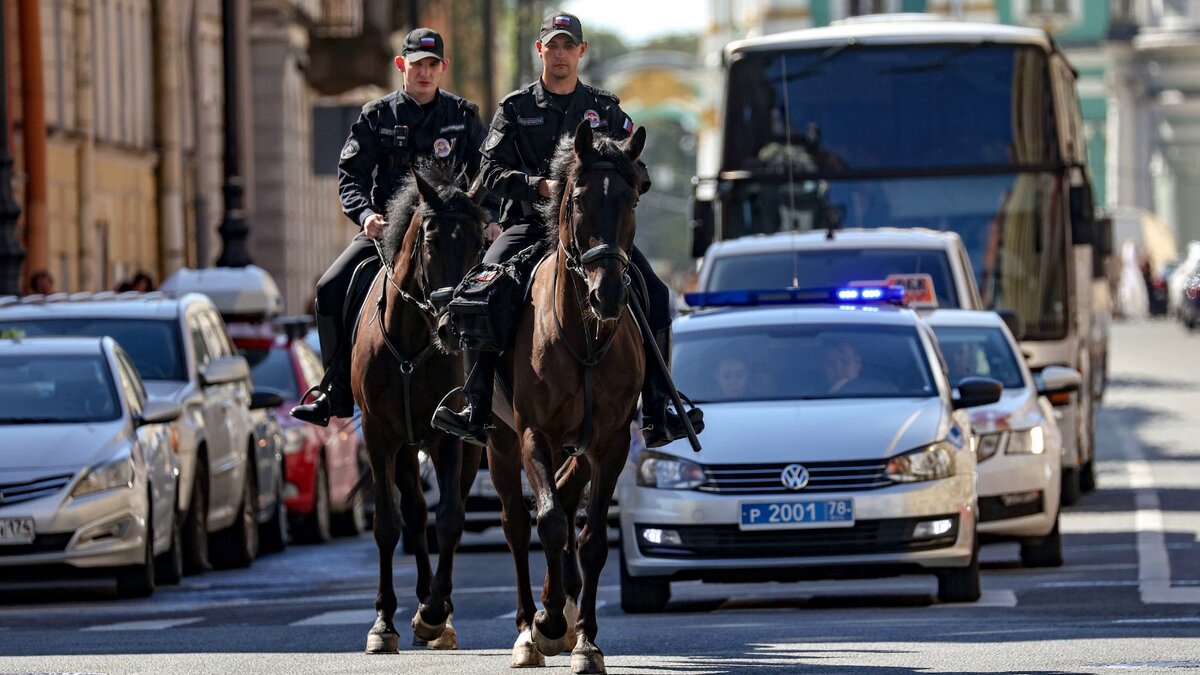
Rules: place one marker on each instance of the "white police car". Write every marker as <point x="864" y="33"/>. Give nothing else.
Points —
<point x="835" y="447"/>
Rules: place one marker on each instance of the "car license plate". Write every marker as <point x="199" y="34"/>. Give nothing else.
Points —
<point x="16" y="530"/>
<point x="816" y="513"/>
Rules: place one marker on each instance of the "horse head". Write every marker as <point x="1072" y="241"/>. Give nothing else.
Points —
<point x="596" y="215"/>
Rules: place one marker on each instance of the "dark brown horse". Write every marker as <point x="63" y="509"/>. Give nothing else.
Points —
<point x="399" y="372"/>
<point x="576" y="373"/>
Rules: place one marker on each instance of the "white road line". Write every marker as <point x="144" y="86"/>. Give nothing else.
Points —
<point x="344" y="617"/>
<point x="1179" y="619"/>
<point x="1089" y="584"/>
<point x="513" y="614"/>
<point x="159" y="624"/>
<point x="986" y="599"/>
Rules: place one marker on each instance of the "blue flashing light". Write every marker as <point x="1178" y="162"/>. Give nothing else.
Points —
<point x="848" y="295"/>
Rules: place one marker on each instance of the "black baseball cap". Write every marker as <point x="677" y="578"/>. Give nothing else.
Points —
<point x="423" y="43"/>
<point x="561" y="23"/>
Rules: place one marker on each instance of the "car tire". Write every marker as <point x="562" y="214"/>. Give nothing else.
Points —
<point x="237" y="545"/>
<point x="1072" y="486"/>
<point x="168" y="567"/>
<point x="1043" y="551"/>
<point x="137" y="581"/>
<point x="643" y="595"/>
<point x="273" y="534"/>
<point x="1087" y="477"/>
<point x="316" y="527"/>
<point x="959" y="584"/>
<point x="195" y="522"/>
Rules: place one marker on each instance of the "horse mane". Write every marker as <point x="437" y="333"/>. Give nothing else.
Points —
<point x="445" y="178"/>
<point x="565" y="165"/>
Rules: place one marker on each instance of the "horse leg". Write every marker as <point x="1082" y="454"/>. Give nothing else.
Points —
<point x="570" y="481"/>
<point x="416" y="515"/>
<point x="505" y="468"/>
<point x="549" y="630"/>
<point x="382" y="638"/>
<point x="451" y="516"/>
<point x="593" y="551"/>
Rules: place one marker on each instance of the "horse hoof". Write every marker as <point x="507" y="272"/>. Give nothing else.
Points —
<point x="425" y="631"/>
<point x="571" y="612"/>
<point x="525" y="654"/>
<point x="587" y="658"/>
<point x="383" y="643"/>
<point x="546" y="645"/>
<point x="448" y="639"/>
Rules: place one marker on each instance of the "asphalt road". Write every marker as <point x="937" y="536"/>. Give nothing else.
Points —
<point x="1127" y="600"/>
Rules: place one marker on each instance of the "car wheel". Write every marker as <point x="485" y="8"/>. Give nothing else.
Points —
<point x="642" y="595"/>
<point x="1072" y="488"/>
<point x="272" y="534"/>
<point x="237" y="545"/>
<point x="137" y="581"/>
<point x="316" y="527"/>
<point x="353" y="521"/>
<point x="1043" y="551"/>
<point x="195" y="523"/>
<point x="960" y="584"/>
<point x="1087" y="478"/>
<point x="168" y="567"/>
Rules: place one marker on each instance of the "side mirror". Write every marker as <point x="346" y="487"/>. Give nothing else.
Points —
<point x="1058" y="380"/>
<point x="265" y="398"/>
<point x="703" y="226"/>
<point x="1015" y="324"/>
<point x="224" y="370"/>
<point x="1102" y="249"/>
<point x="159" y="411"/>
<point x="1083" y="213"/>
<point x="976" y="391"/>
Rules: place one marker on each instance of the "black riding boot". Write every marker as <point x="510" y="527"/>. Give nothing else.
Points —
<point x="334" y="398"/>
<point x="660" y="424"/>
<point x="472" y="422"/>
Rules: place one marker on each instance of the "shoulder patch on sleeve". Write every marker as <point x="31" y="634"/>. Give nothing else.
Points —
<point x="350" y="149"/>
<point x="493" y="139"/>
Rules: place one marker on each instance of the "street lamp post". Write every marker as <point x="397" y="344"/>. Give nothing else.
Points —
<point x="233" y="227"/>
<point x="11" y="252"/>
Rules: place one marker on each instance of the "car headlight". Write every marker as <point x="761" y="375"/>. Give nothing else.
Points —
<point x="669" y="473"/>
<point x="110" y="475"/>
<point x="1027" y="442"/>
<point x="293" y="440"/>
<point x="989" y="445"/>
<point x="931" y="462"/>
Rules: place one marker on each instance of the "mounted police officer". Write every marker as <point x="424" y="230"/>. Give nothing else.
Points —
<point x="421" y="121"/>
<point x="517" y="154"/>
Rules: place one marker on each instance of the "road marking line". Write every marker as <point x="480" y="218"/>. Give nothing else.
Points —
<point x="986" y="599"/>
<point x="1154" y="564"/>
<point x="344" y="617"/>
<point x="1180" y="619"/>
<point x="513" y="614"/>
<point x="158" y="624"/>
<point x="1088" y="584"/>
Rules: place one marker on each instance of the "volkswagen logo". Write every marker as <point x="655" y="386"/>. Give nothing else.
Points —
<point x="794" y="477"/>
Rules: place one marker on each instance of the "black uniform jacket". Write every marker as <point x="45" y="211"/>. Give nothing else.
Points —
<point x="393" y="132"/>
<point x="523" y="137"/>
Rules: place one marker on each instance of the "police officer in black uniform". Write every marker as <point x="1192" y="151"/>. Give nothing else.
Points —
<point x="517" y="155"/>
<point x="420" y="121"/>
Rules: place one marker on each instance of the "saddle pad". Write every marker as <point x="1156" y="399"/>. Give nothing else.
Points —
<point x="356" y="295"/>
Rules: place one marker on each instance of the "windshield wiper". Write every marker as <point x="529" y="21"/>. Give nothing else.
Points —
<point x="31" y="420"/>
<point x="940" y="63"/>
<point x="812" y="68"/>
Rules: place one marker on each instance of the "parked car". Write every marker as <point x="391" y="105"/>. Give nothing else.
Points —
<point x="88" y="473"/>
<point x="322" y="466"/>
<point x="1189" y="305"/>
<point x="183" y="353"/>
<point x="834" y="447"/>
<point x="1018" y="446"/>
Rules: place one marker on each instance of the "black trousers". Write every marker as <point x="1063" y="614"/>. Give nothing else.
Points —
<point x="520" y="236"/>
<point x="334" y="284"/>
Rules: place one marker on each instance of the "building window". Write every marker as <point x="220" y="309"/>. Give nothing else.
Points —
<point x="1049" y="6"/>
<point x="864" y="7"/>
<point x="1054" y="14"/>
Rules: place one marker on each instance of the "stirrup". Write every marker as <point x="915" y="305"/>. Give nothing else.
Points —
<point x="450" y="421"/>
<point x="310" y="411"/>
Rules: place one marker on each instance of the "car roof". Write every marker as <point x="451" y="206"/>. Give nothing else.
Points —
<point x="895" y="29"/>
<point x="55" y="346"/>
<point x="92" y="305"/>
<point x="737" y="317"/>
<point x="967" y="318"/>
<point x="854" y="238"/>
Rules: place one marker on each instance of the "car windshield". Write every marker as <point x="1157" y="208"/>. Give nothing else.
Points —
<point x="832" y="267"/>
<point x="802" y="362"/>
<point x="153" y="344"/>
<point x="56" y="389"/>
<point x="272" y="367"/>
<point x="979" y="352"/>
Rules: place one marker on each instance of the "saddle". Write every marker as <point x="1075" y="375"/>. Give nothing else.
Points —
<point x="361" y="281"/>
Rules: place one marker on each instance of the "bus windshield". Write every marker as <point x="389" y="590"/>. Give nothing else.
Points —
<point x="852" y="108"/>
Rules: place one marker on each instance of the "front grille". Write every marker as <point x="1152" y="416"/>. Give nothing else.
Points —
<point x="15" y="493"/>
<point x="42" y="543"/>
<point x="994" y="508"/>
<point x="761" y="479"/>
<point x="893" y="535"/>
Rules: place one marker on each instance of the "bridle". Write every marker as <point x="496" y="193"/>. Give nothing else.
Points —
<point x="577" y="261"/>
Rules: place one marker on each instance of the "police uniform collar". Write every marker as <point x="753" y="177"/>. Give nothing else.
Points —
<point x="542" y="97"/>
<point x="405" y="98"/>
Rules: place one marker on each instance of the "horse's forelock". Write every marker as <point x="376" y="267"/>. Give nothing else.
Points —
<point x="403" y="206"/>
<point x="566" y="165"/>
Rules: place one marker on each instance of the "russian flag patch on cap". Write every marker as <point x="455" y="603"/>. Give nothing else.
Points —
<point x="562" y="21"/>
<point x="628" y="125"/>
<point x="428" y="42"/>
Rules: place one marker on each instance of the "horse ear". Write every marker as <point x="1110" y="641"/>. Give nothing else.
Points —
<point x="477" y="193"/>
<point x="583" y="138"/>
<point x="637" y="143"/>
<point x="428" y="194"/>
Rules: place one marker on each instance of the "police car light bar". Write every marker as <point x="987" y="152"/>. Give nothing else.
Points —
<point x="847" y="295"/>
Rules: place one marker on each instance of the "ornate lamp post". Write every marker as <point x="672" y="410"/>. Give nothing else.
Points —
<point x="233" y="227"/>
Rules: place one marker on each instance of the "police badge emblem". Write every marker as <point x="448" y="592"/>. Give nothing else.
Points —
<point x="441" y="147"/>
<point x="592" y="117"/>
<point x="350" y="149"/>
<point x="493" y="139"/>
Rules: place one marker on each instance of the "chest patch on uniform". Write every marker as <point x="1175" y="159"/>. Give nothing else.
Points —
<point x="441" y="147"/>
<point x="592" y="117"/>
<point x="350" y="149"/>
<point x="493" y="139"/>
<point x="531" y="121"/>
<point x="452" y="127"/>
